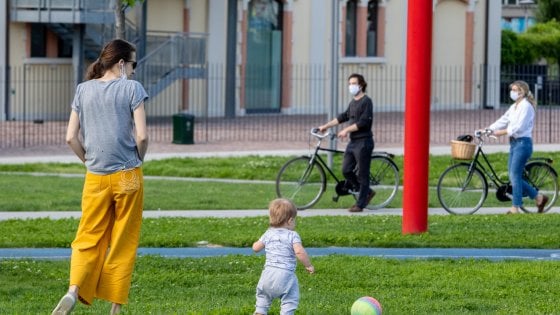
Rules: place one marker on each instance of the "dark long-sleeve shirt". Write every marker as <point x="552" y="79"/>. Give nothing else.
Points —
<point x="359" y="112"/>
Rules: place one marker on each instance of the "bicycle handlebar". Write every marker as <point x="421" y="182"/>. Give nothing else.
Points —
<point x="489" y="133"/>
<point x="315" y="132"/>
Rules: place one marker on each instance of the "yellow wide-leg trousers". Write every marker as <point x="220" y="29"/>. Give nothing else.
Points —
<point x="104" y="250"/>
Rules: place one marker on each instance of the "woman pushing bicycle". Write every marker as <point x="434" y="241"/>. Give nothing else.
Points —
<point x="359" y="114"/>
<point x="517" y="123"/>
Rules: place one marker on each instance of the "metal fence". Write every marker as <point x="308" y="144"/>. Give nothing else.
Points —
<point x="40" y="96"/>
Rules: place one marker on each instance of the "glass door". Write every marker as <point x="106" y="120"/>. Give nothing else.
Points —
<point x="264" y="57"/>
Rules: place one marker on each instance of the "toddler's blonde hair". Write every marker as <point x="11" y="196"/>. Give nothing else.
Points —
<point x="280" y="211"/>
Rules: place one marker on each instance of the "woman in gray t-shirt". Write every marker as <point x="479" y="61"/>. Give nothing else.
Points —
<point x="107" y="131"/>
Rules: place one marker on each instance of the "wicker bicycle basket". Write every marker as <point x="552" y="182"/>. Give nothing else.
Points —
<point x="461" y="150"/>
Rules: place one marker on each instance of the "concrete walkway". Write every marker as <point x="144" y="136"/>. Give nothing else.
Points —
<point x="205" y="250"/>
<point x="55" y="215"/>
<point x="64" y="156"/>
<point x="395" y="253"/>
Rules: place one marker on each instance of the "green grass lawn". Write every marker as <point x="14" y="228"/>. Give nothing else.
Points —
<point x="61" y="191"/>
<point x="475" y="231"/>
<point x="226" y="285"/>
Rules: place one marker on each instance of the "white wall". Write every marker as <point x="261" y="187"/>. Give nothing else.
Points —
<point x="3" y="56"/>
<point x="217" y="42"/>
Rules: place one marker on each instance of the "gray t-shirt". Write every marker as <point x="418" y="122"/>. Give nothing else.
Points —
<point x="279" y="248"/>
<point x="106" y="111"/>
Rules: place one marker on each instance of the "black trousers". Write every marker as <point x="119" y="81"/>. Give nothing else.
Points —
<point x="358" y="155"/>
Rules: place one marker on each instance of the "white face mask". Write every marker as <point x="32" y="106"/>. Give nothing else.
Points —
<point x="354" y="89"/>
<point x="513" y="95"/>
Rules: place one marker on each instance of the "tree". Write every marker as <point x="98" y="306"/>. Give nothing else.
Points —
<point x="544" y="39"/>
<point x="516" y="50"/>
<point x="548" y="10"/>
<point x="120" y="25"/>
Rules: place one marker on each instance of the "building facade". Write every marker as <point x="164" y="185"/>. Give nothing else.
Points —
<point x="229" y="58"/>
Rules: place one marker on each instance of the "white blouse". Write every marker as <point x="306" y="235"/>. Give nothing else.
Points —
<point x="518" y="119"/>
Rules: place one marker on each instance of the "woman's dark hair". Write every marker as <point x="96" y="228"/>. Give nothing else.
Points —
<point x="112" y="52"/>
<point x="361" y="81"/>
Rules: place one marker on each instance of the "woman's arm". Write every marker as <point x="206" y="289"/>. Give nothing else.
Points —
<point x="499" y="126"/>
<point x="141" y="131"/>
<point x="72" y="136"/>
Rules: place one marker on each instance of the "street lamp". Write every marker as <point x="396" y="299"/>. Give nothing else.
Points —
<point x="526" y="4"/>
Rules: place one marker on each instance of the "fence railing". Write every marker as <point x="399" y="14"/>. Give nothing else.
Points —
<point x="40" y="96"/>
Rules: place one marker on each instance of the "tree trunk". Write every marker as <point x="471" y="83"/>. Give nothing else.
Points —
<point x="119" y="20"/>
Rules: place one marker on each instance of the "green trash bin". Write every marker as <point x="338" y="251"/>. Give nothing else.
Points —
<point x="183" y="128"/>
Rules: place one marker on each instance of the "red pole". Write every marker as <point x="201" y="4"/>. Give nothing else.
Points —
<point x="417" y="116"/>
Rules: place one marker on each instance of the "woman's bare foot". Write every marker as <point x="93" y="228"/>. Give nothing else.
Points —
<point x="513" y="210"/>
<point x="115" y="308"/>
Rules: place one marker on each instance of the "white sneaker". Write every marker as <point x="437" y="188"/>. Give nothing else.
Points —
<point x="66" y="305"/>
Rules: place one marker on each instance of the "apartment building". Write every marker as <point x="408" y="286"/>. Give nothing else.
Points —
<point x="229" y="58"/>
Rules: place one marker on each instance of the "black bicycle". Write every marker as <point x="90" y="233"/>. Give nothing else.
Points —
<point x="463" y="187"/>
<point x="303" y="179"/>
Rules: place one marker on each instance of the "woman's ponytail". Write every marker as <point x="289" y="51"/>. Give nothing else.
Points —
<point x="95" y="70"/>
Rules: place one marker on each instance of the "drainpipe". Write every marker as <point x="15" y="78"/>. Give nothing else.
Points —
<point x="4" y="60"/>
<point x="230" y="58"/>
<point x="78" y="53"/>
<point x="485" y="65"/>
<point x="334" y="70"/>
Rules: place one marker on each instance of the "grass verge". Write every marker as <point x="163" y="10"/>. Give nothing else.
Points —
<point x="479" y="231"/>
<point x="57" y="192"/>
<point x="226" y="285"/>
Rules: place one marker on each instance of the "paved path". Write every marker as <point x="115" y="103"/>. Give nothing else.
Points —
<point x="396" y="253"/>
<point x="63" y="155"/>
<point x="8" y="215"/>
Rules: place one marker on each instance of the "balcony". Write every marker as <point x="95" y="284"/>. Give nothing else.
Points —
<point x="63" y="11"/>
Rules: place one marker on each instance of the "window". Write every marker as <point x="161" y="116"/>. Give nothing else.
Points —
<point x="350" y="36"/>
<point x="361" y="29"/>
<point x="518" y="2"/>
<point x="64" y="49"/>
<point x="47" y="44"/>
<point x="38" y="35"/>
<point x="372" y="28"/>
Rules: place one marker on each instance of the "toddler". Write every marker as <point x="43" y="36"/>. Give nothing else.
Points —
<point x="282" y="245"/>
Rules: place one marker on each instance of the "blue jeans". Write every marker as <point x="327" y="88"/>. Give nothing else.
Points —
<point x="520" y="151"/>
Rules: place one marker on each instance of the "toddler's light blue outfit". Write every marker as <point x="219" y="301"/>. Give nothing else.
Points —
<point x="278" y="279"/>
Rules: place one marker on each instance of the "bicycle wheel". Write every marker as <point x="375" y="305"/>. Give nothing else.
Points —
<point x="543" y="177"/>
<point x="461" y="192"/>
<point x="384" y="180"/>
<point x="301" y="181"/>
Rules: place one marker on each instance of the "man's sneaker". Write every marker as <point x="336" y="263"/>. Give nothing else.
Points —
<point x="355" y="208"/>
<point x="66" y="305"/>
<point x="370" y="196"/>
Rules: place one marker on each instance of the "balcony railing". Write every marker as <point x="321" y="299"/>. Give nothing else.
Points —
<point x="62" y="11"/>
